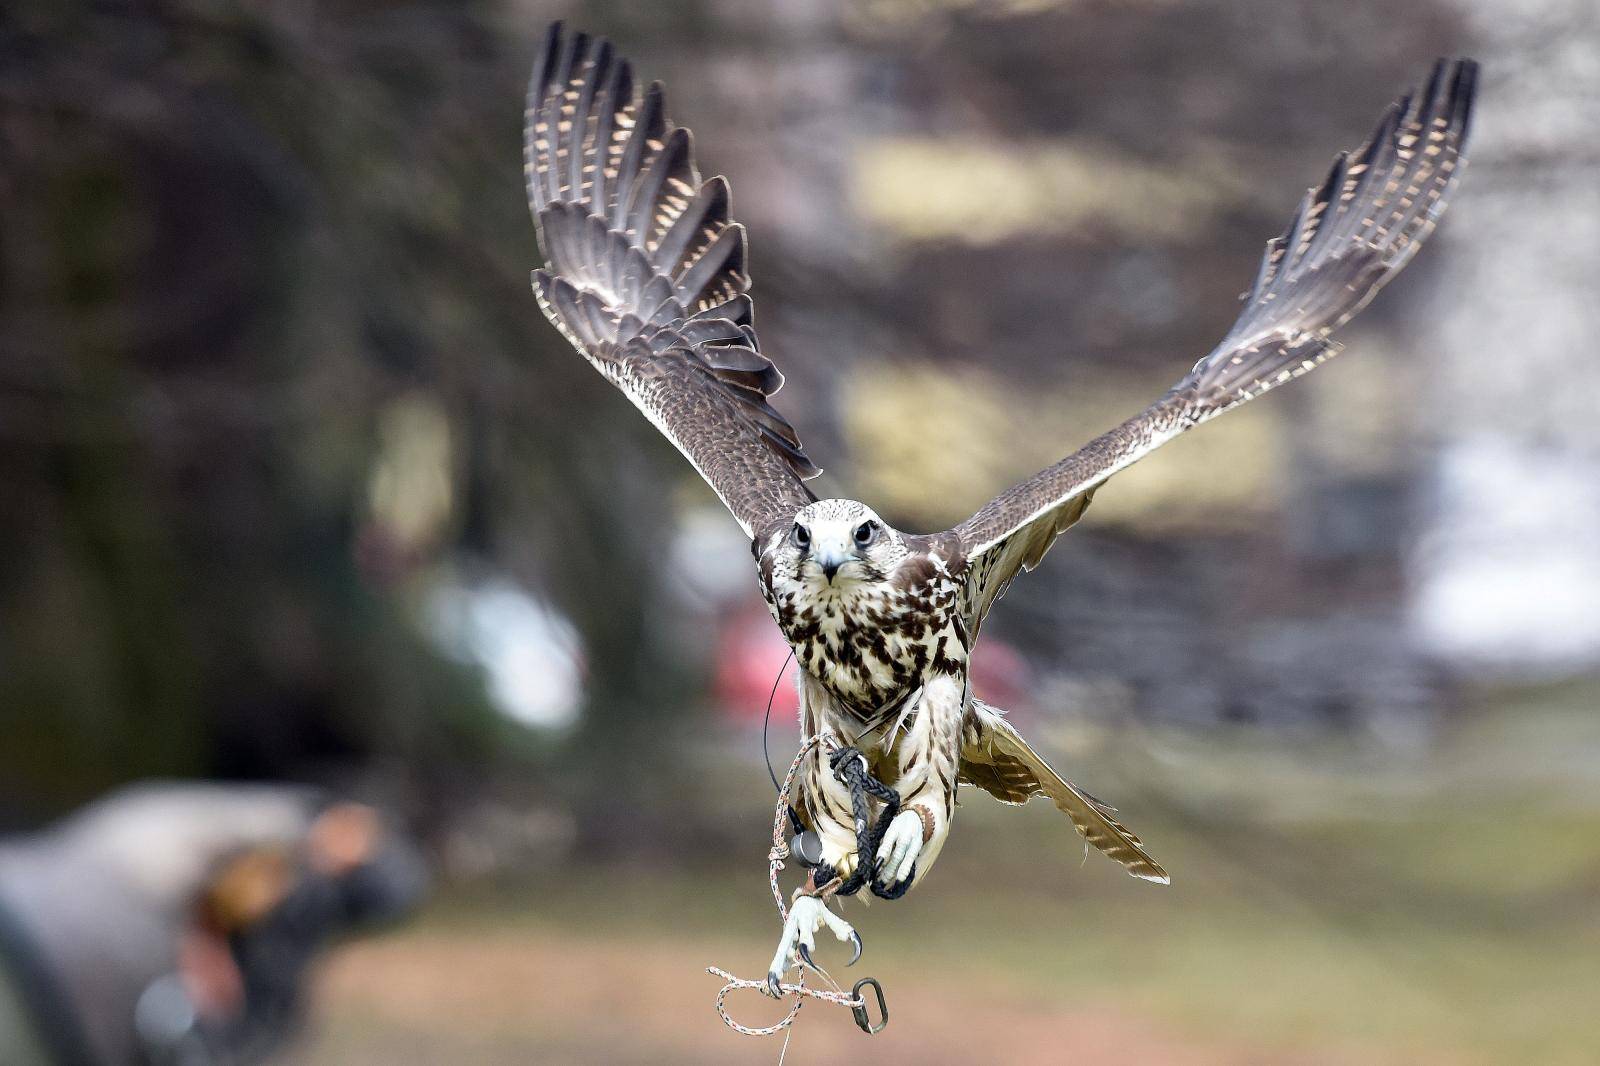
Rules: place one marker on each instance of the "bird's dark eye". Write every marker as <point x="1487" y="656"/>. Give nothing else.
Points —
<point x="866" y="533"/>
<point x="800" y="537"/>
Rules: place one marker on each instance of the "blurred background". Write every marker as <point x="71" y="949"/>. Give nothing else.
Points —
<point x="299" y="486"/>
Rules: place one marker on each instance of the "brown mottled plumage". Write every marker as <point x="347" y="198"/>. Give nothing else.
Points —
<point x="646" y="278"/>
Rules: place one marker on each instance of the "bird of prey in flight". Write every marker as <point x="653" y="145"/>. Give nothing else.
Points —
<point x="646" y="276"/>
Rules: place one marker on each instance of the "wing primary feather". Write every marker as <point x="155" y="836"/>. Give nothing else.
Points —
<point x="1330" y="215"/>
<point x="708" y="211"/>
<point x="535" y="139"/>
<point x="738" y="309"/>
<point x="671" y="163"/>
<point x="648" y="128"/>
<point x="646" y="273"/>
<point x="723" y="255"/>
<point x="597" y="67"/>
<point x="1293" y="237"/>
<point x="1348" y="236"/>
<point x="1269" y="263"/>
<point x="611" y="113"/>
<point x="557" y="108"/>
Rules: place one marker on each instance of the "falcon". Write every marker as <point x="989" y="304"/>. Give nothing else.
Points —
<point x="646" y="277"/>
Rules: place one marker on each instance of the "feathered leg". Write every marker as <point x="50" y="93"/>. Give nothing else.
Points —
<point x="927" y="758"/>
<point x="922" y="764"/>
<point x="825" y="800"/>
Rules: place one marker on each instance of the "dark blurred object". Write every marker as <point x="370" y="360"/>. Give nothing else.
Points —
<point x="268" y="363"/>
<point x="174" y="925"/>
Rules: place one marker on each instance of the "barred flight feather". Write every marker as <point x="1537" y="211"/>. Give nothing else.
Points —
<point x="646" y="274"/>
<point x="1348" y="237"/>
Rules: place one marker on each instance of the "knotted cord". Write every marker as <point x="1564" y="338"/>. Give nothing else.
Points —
<point x="775" y="863"/>
<point x="849" y="766"/>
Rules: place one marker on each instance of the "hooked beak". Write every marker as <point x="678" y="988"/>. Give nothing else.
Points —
<point x="831" y="561"/>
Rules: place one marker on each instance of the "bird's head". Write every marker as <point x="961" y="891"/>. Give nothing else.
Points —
<point x="840" y="542"/>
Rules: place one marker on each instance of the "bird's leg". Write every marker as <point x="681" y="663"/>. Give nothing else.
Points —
<point x="808" y="913"/>
<point x="928" y="756"/>
<point x="828" y="805"/>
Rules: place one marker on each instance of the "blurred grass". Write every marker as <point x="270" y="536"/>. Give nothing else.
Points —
<point x="1330" y="904"/>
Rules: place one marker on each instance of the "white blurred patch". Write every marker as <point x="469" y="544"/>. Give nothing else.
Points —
<point x="1508" y="579"/>
<point x="710" y="558"/>
<point x="531" y="654"/>
<point x="159" y="838"/>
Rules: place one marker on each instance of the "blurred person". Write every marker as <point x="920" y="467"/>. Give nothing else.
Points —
<point x="174" y="924"/>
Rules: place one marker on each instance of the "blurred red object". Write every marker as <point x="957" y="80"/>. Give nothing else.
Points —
<point x="1001" y="676"/>
<point x="750" y="652"/>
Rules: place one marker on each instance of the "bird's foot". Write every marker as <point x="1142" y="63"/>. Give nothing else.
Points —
<point x="806" y="916"/>
<point x="900" y="847"/>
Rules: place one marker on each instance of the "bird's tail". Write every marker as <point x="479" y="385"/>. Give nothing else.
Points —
<point x="995" y="758"/>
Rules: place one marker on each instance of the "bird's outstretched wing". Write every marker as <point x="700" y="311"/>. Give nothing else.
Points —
<point x="995" y="758"/>
<point x="1350" y="236"/>
<point x="646" y="274"/>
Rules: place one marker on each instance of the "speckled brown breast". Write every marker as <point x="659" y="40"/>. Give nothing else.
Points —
<point x="872" y="644"/>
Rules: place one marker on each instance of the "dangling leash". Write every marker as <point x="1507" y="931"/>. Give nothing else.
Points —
<point x="849" y="765"/>
<point x="857" y="777"/>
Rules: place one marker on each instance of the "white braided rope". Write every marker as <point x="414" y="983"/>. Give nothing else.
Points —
<point x="775" y="857"/>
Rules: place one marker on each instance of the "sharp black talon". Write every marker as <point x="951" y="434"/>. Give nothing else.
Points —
<point x="805" y="957"/>
<point x="774" y="989"/>
<point x="855" y="942"/>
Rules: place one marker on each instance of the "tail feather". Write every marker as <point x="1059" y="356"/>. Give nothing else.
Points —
<point x="995" y="758"/>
